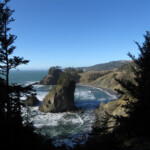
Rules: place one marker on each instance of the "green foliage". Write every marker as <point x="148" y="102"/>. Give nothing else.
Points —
<point x="138" y="105"/>
<point x="13" y="132"/>
<point x="130" y="132"/>
<point x="73" y="73"/>
<point x="64" y="79"/>
<point x="79" y="70"/>
<point x="12" y="92"/>
<point x="53" y="70"/>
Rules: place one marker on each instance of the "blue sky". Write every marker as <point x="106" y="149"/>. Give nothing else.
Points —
<point x="78" y="32"/>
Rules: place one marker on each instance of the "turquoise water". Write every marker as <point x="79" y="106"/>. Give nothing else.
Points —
<point x="64" y="128"/>
<point x="27" y="76"/>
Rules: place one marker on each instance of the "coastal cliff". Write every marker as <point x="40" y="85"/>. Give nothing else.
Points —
<point x="109" y="111"/>
<point x="52" y="77"/>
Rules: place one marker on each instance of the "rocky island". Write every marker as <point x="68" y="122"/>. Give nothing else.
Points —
<point x="61" y="97"/>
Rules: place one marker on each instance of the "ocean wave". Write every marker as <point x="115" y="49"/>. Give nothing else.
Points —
<point x="30" y="82"/>
<point x="83" y="95"/>
<point x="41" y="119"/>
<point x="113" y="96"/>
<point x="38" y="86"/>
<point x="67" y="128"/>
<point x="40" y="95"/>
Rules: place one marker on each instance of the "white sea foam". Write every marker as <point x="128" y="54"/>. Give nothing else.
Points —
<point x="84" y="95"/>
<point x="41" y="95"/>
<point x="102" y="99"/>
<point x="113" y="96"/>
<point x="38" y="86"/>
<point x="67" y="128"/>
<point x="30" y="82"/>
<point x="41" y="119"/>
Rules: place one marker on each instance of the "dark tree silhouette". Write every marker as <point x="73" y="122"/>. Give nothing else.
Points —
<point x="131" y="132"/>
<point x="137" y="124"/>
<point x="7" y="47"/>
<point x="10" y="94"/>
<point x="13" y="133"/>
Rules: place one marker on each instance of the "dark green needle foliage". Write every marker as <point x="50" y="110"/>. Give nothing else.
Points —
<point x="13" y="133"/>
<point x="134" y="130"/>
<point x="131" y="132"/>
<point x="7" y="63"/>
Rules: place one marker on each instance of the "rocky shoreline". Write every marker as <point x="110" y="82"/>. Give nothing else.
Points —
<point x="108" y="91"/>
<point x="113" y="107"/>
<point x="109" y="109"/>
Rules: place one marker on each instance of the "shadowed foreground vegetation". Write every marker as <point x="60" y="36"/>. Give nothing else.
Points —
<point x="131" y="132"/>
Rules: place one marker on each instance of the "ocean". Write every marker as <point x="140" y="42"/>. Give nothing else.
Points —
<point x="68" y="128"/>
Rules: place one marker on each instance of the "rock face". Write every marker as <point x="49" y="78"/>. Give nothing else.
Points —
<point x="59" y="99"/>
<point x="112" y="108"/>
<point x="31" y="101"/>
<point x="52" y="78"/>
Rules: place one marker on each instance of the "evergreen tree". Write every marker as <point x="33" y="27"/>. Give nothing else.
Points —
<point x="10" y="94"/>
<point x="13" y="133"/>
<point x="137" y="124"/>
<point x="7" y="47"/>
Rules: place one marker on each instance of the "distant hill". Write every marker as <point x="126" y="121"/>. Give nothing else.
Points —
<point x="113" y="65"/>
<point x="106" y="79"/>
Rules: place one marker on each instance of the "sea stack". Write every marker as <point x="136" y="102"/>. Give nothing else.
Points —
<point x="61" y="97"/>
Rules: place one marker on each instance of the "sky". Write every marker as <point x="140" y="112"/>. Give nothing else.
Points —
<point x="78" y="33"/>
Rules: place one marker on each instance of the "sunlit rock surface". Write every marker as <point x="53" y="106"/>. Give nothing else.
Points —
<point x="59" y="99"/>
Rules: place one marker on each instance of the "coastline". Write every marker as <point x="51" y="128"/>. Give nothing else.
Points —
<point x="111" y="93"/>
<point x="99" y="114"/>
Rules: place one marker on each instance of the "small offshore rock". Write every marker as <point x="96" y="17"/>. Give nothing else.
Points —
<point x="31" y="101"/>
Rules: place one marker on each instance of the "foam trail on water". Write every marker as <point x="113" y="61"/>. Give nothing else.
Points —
<point x="41" y="95"/>
<point x="84" y="95"/>
<point x="113" y="96"/>
<point x="30" y="82"/>
<point x="68" y="128"/>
